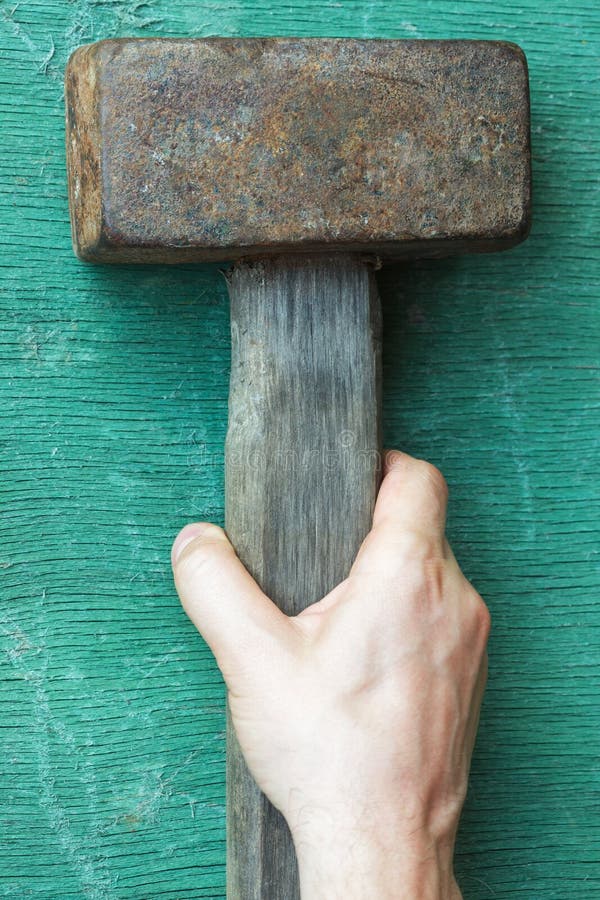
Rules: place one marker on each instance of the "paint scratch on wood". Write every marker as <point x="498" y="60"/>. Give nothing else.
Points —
<point x="129" y="13"/>
<point x="30" y="660"/>
<point x="42" y="58"/>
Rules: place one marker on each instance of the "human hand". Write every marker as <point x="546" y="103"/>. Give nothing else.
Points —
<point x="358" y="717"/>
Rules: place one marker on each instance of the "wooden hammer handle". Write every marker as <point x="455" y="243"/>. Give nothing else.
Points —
<point x="301" y="476"/>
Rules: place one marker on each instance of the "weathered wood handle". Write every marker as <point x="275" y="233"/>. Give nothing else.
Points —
<point x="301" y="474"/>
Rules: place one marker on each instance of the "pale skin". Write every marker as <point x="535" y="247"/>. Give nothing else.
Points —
<point x="358" y="717"/>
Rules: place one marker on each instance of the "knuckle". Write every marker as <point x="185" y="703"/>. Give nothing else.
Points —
<point x="432" y="477"/>
<point x="482" y="618"/>
<point x="415" y="548"/>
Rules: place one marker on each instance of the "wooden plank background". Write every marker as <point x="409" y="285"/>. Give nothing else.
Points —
<point x="113" y="413"/>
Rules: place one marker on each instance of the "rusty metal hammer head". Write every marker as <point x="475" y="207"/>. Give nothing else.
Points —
<point x="193" y="150"/>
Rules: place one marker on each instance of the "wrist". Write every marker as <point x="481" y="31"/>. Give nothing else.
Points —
<point x="358" y="863"/>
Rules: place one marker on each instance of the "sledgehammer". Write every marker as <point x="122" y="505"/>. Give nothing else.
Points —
<point x="307" y="162"/>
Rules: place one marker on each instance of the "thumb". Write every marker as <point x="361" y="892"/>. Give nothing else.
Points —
<point x="236" y="619"/>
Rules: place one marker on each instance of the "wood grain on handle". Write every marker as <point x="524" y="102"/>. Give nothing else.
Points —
<point x="302" y="471"/>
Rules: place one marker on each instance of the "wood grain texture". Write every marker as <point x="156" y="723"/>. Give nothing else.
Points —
<point x="302" y="467"/>
<point x="113" y="414"/>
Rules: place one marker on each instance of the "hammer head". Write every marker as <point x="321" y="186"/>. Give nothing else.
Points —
<point x="195" y="150"/>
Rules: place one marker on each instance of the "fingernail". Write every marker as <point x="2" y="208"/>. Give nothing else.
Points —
<point x="185" y="536"/>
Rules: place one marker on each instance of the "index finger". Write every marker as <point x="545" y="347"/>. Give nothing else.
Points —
<point x="413" y="495"/>
<point x="409" y="517"/>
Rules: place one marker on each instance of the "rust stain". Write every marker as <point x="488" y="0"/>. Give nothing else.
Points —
<point x="192" y="150"/>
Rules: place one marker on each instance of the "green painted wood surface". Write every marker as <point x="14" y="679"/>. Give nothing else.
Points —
<point x="113" y="415"/>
